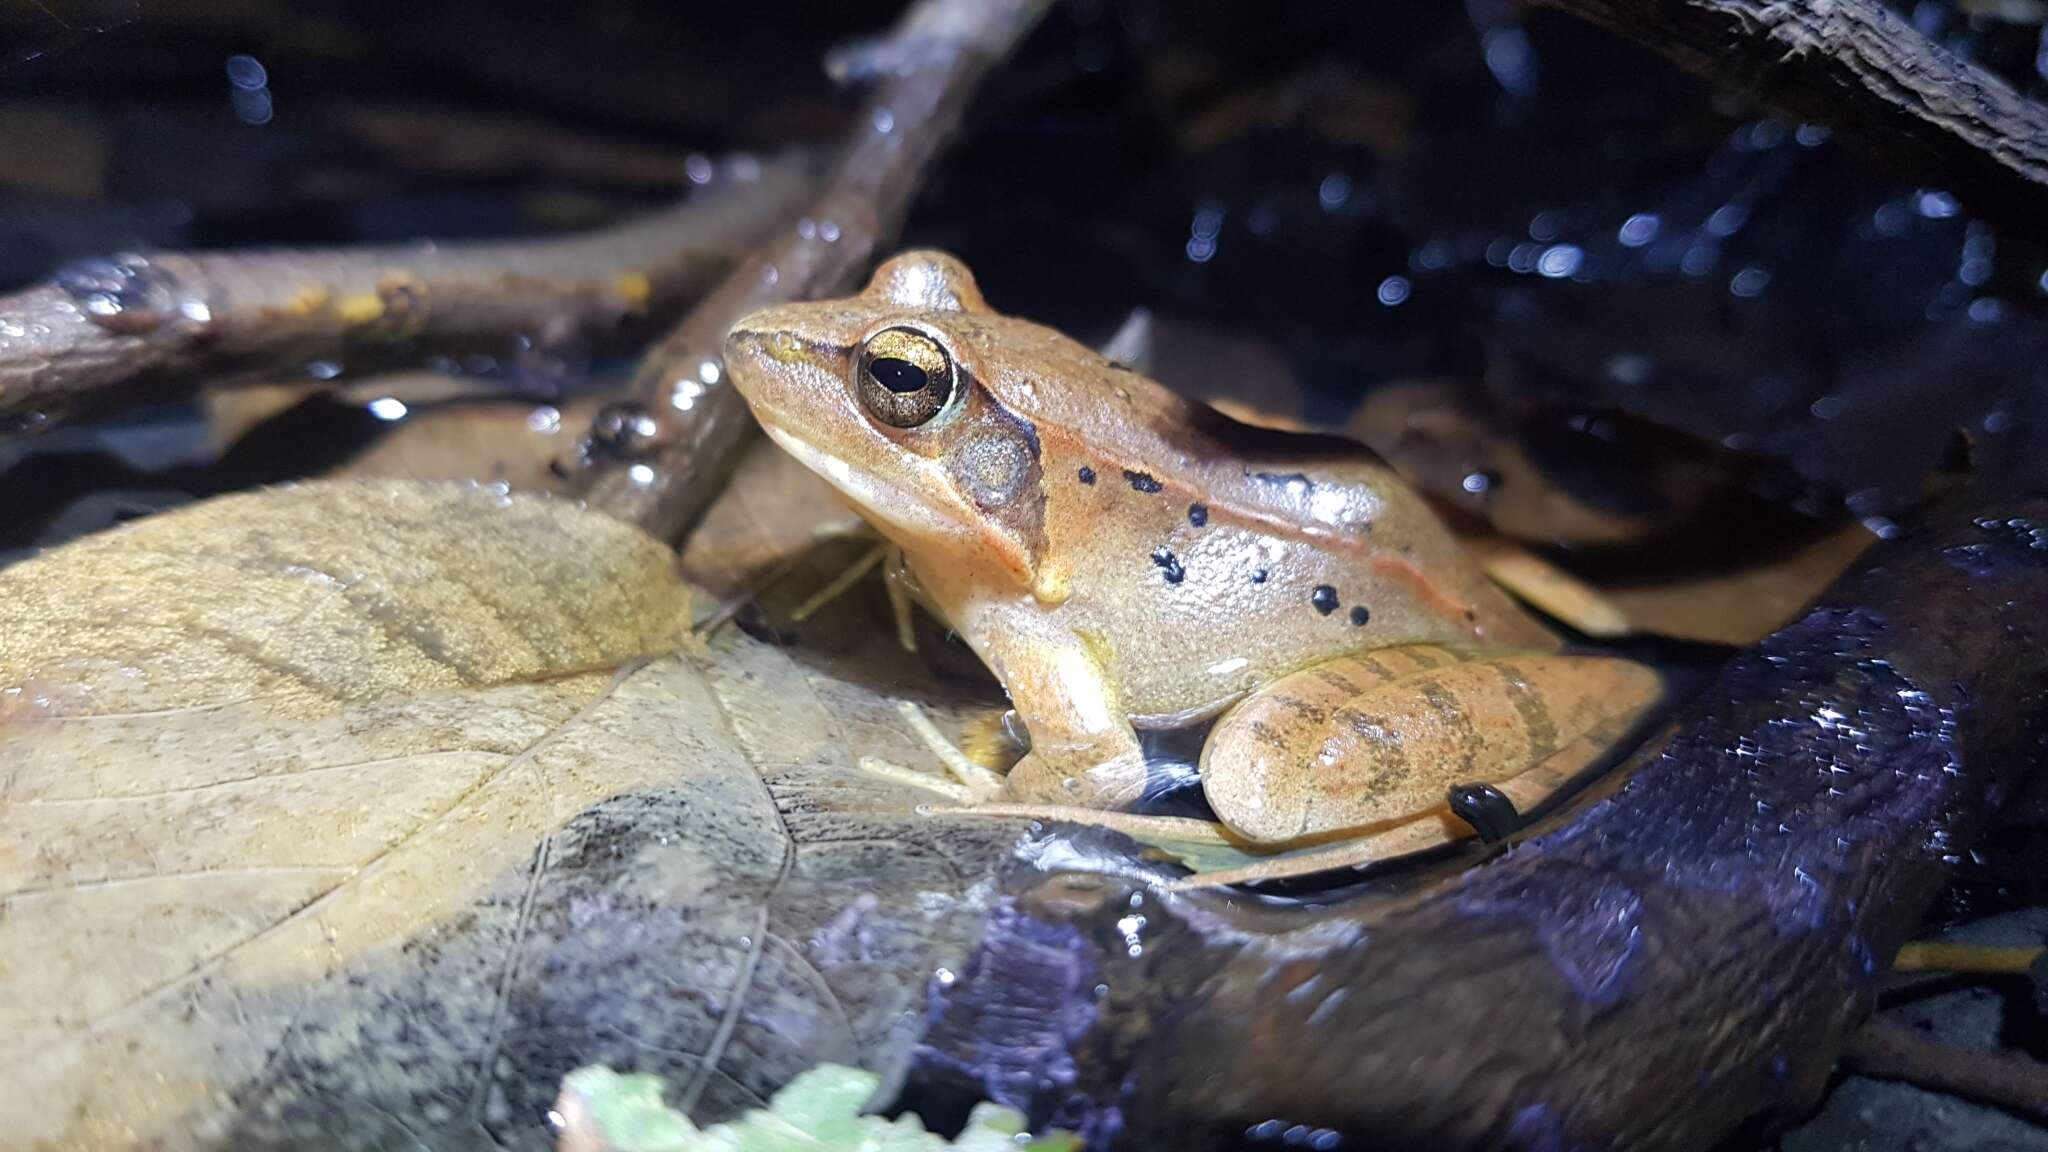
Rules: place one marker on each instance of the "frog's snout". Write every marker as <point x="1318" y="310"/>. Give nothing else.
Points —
<point x="750" y="360"/>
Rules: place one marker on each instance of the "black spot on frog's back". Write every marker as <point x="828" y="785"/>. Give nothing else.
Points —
<point x="1087" y="474"/>
<point x="1143" y="481"/>
<point x="1169" y="565"/>
<point x="1324" y="598"/>
<point x="1198" y="514"/>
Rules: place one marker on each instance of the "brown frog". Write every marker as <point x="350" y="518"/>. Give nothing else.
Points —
<point x="1123" y="559"/>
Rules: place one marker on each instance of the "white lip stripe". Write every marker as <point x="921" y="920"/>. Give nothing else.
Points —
<point x="876" y="499"/>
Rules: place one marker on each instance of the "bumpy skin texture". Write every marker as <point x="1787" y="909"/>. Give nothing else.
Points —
<point x="1649" y="972"/>
<point x="1118" y="556"/>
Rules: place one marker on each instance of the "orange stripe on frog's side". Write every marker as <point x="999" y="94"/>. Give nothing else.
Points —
<point x="1428" y="591"/>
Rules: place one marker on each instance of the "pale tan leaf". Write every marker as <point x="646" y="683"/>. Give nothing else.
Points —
<point x="358" y="813"/>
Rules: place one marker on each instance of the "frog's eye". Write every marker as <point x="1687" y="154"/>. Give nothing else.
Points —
<point x="904" y="377"/>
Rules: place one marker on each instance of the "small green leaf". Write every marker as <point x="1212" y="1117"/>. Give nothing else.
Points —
<point x="817" y="1111"/>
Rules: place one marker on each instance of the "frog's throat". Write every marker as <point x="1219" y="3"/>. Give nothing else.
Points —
<point x="899" y="511"/>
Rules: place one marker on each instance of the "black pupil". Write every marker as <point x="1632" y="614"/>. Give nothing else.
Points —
<point x="898" y="375"/>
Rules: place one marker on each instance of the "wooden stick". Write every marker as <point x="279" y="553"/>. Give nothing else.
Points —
<point x="139" y="320"/>
<point x="692" y="423"/>
<point x="2009" y="1080"/>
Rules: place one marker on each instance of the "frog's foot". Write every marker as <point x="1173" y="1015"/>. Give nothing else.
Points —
<point x="971" y="784"/>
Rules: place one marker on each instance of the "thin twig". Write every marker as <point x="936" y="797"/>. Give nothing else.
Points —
<point x="661" y="462"/>
<point x="171" y="317"/>
<point x="1982" y="959"/>
<point x="2009" y="1080"/>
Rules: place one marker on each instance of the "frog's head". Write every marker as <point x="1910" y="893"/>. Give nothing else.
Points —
<point x="887" y="395"/>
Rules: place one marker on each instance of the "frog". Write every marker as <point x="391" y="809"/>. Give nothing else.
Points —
<point x="1124" y="559"/>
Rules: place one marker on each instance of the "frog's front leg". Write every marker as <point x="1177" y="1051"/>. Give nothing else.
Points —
<point x="1084" y="752"/>
<point x="1083" y="749"/>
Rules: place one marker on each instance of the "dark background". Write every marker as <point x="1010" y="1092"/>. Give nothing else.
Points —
<point x="1255" y="171"/>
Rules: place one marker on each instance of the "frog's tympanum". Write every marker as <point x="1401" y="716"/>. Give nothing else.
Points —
<point x="1124" y="559"/>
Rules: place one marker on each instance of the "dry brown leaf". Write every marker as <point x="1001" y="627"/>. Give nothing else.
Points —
<point x="353" y="814"/>
<point x="773" y="512"/>
<point x="493" y="441"/>
<point x="1740" y="605"/>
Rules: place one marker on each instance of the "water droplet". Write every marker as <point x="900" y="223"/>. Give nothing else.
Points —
<point x="698" y="168"/>
<point x="1728" y="219"/>
<point x="1477" y="483"/>
<point x="1890" y="219"/>
<point x="807" y="228"/>
<point x="1628" y="368"/>
<point x="387" y="408"/>
<point x="123" y="293"/>
<point x="1639" y="229"/>
<point x="1393" y="290"/>
<point x="1987" y="310"/>
<point x="1432" y="256"/>
<point x="1811" y="135"/>
<point x="1829" y="407"/>
<point x="1334" y="190"/>
<point x="322" y="369"/>
<point x="251" y="107"/>
<point x="1700" y="258"/>
<point x="1544" y="226"/>
<point x="246" y="72"/>
<point x="1560" y="261"/>
<point x="1201" y="249"/>
<point x="623" y="430"/>
<point x="1510" y="58"/>
<point x="885" y="121"/>
<point x="1750" y="282"/>
<point x="828" y="231"/>
<point x="641" y="474"/>
<point x="545" y="420"/>
<point x="1935" y="204"/>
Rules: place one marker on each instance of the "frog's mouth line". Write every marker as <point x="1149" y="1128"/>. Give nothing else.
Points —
<point x="886" y="505"/>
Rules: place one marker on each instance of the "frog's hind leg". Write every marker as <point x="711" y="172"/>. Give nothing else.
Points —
<point x="1491" y="811"/>
<point x="972" y="784"/>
